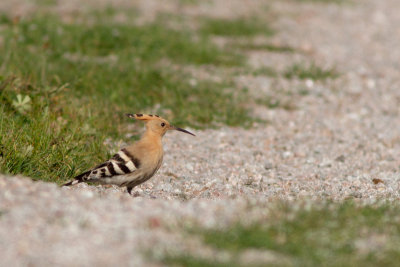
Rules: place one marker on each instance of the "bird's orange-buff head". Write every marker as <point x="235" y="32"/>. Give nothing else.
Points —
<point x="156" y="124"/>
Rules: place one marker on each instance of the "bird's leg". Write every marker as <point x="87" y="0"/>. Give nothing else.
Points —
<point x="129" y="189"/>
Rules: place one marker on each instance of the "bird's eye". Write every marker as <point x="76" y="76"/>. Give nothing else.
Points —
<point x="162" y="124"/>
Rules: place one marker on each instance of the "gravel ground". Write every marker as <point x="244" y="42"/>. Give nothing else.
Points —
<point x="341" y="141"/>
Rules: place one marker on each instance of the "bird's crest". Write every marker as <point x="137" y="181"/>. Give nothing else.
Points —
<point x="152" y="122"/>
<point x="144" y="117"/>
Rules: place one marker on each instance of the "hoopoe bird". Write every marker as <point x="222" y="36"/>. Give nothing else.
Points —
<point x="136" y="163"/>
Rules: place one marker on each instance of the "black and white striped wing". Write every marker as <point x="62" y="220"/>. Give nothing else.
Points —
<point x="121" y="163"/>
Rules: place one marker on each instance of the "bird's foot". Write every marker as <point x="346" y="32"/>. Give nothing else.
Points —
<point x="130" y="192"/>
<point x="135" y="194"/>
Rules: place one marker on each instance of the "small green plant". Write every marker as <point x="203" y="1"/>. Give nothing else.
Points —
<point x="22" y="103"/>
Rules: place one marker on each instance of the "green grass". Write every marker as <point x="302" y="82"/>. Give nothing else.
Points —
<point x="187" y="260"/>
<point x="333" y="234"/>
<point x="266" y="47"/>
<point x="45" y="2"/>
<point x="64" y="88"/>
<point x="264" y="71"/>
<point x="241" y="27"/>
<point x="310" y="71"/>
<point x="325" y="1"/>
<point x="189" y="2"/>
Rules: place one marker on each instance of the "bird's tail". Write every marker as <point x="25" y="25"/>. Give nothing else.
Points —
<point x="78" y="179"/>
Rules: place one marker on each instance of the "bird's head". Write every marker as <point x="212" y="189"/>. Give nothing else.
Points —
<point x="156" y="124"/>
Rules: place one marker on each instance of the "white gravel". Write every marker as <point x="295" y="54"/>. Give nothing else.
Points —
<point x="341" y="136"/>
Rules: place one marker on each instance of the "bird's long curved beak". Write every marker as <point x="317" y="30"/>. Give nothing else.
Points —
<point x="180" y="129"/>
